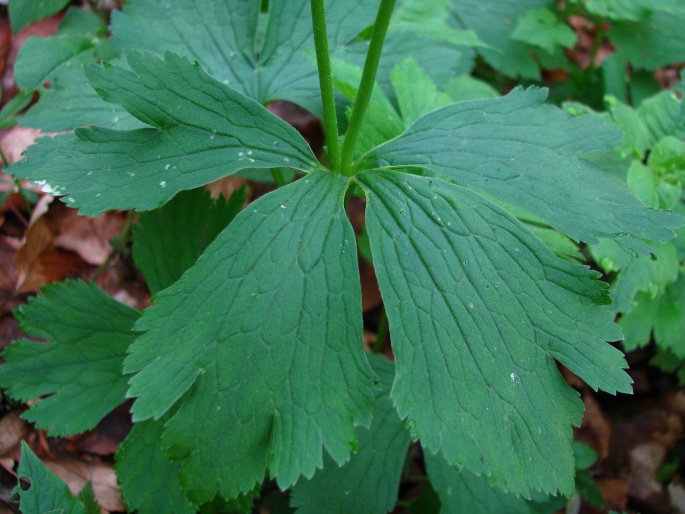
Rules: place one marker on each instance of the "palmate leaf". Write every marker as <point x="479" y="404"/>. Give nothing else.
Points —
<point x="478" y="308"/>
<point x="200" y="130"/>
<point x="663" y="317"/>
<point x="654" y="41"/>
<point x="265" y="62"/>
<point x="369" y="482"/>
<point x="493" y="21"/>
<point x="262" y="346"/>
<point x="525" y="153"/>
<point x="81" y="368"/>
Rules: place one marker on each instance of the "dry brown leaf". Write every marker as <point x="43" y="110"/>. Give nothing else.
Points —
<point x="676" y="493"/>
<point x="76" y="472"/>
<point x="8" y="272"/>
<point x="371" y="293"/>
<point x="107" y="435"/>
<point x="12" y="430"/>
<point x="645" y="460"/>
<point x="15" y="140"/>
<point x="5" y="43"/>
<point x="224" y="186"/>
<point x="596" y="428"/>
<point x="615" y="493"/>
<point x="87" y="236"/>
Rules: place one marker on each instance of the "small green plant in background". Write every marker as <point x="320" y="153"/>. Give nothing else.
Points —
<point x="250" y="362"/>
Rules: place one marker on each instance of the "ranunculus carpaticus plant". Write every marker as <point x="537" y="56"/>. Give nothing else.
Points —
<point x="250" y="364"/>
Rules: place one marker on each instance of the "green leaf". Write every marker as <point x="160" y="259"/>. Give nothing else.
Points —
<point x="493" y="21"/>
<point x="432" y="19"/>
<point x="79" y="22"/>
<point x="369" y="481"/>
<point x="149" y="481"/>
<point x="651" y="188"/>
<point x="525" y="153"/>
<point x="201" y="130"/>
<point x="54" y="66"/>
<point x="667" y="159"/>
<point x="664" y="317"/>
<point x="26" y="12"/>
<point x="465" y="492"/>
<point x="465" y="87"/>
<point x="168" y="241"/>
<point x="644" y="273"/>
<point x="477" y="309"/>
<point x="589" y="490"/>
<point x="262" y="336"/>
<point x="585" y="456"/>
<point x="664" y="115"/>
<point x="81" y="368"/>
<point x="654" y="42"/>
<point x="382" y="122"/>
<point x="87" y="497"/>
<point x="416" y="92"/>
<point x="542" y="28"/>
<point x="630" y="10"/>
<point x="265" y="65"/>
<point x="47" y="493"/>
<point x="17" y="104"/>
<point x="636" y="136"/>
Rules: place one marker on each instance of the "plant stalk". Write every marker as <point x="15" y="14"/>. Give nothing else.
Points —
<point x="323" y="60"/>
<point x="381" y="333"/>
<point x="373" y="57"/>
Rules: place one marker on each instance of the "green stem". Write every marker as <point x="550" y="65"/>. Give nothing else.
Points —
<point x="373" y="57"/>
<point x="5" y="162"/>
<point x="277" y="174"/>
<point x="323" y="59"/>
<point x="381" y="333"/>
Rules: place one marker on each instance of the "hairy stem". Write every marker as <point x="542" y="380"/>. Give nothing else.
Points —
<point x="323" y="59"/>
<point x="361" y="103"/>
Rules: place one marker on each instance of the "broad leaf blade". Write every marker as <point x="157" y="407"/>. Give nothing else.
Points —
<point x="664" y="317"/>
<point x="228" y="45"/>
<point x="493" y="22"/>
<point x="370" y="480"/>
<point x="168" y="241"/>
<point x="149" y="481"/>
<point x="263" y="344"/>
<point x="25" y="12"/>
<point x="654" y="42"/>
<point x="48" y="493"/>
<point x="203" y="130"/>
<point x="477" y="309"/>
<point x="526" y="154"/>
<point x="465" y="492"/>
<point x="54" y="67"/>
<point x="81" y="368"/>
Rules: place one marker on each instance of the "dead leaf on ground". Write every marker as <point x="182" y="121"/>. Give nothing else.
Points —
<point x="14" y="141"/>
<point x="595" y="429"/>
<point x="107" y="435"/>
<point x="12" y="430"/>
<point x="60" y="244"/>
<point x="77" y="472"/>
<point x="8" y="277"/>
<point x="615" y="493"/>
